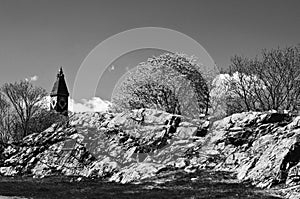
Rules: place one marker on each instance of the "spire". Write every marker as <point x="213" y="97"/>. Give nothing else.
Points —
<point x="60" y="72"/>
<point x="60" y="86"/>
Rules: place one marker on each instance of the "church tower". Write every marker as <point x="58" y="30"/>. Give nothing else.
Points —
<point x="59" y="94"/>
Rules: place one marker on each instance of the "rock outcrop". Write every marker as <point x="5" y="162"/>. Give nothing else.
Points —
<point x="50" y="152"/>
<point x="123" y="148"/>
<point x="135" y="145"/>
<point x="263" y="148"/>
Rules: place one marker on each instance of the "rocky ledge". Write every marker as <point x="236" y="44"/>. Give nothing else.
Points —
<point x="261" y="148"/>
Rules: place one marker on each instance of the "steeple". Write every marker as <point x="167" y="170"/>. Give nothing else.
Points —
<point x="59" y="94"/>
<point x="60" y="72"/>
<point x="60" y="86"/>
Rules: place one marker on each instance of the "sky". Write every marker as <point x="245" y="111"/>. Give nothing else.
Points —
<point x="39" y="36"/>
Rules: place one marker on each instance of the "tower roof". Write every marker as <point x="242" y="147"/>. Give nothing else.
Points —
<point x="60" y="86"/>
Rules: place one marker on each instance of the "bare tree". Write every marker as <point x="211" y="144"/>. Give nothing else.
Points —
<point x="268" y="82"/>
<point x="26" y="101"/>
<point x="5" y="121"/>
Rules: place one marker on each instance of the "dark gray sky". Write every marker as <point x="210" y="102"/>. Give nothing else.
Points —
<point x="38" y="36"/>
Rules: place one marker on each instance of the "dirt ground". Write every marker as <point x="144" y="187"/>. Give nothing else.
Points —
<point x="170" y="184"/>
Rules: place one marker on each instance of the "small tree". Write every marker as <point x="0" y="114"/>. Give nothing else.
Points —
<point x="169" y="82"/>
<point x="26" y="101"/>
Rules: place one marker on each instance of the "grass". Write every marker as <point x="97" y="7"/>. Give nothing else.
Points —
<point x="170" y="184"/>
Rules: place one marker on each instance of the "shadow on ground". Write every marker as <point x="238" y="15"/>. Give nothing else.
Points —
<point x="168" y="184"/>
